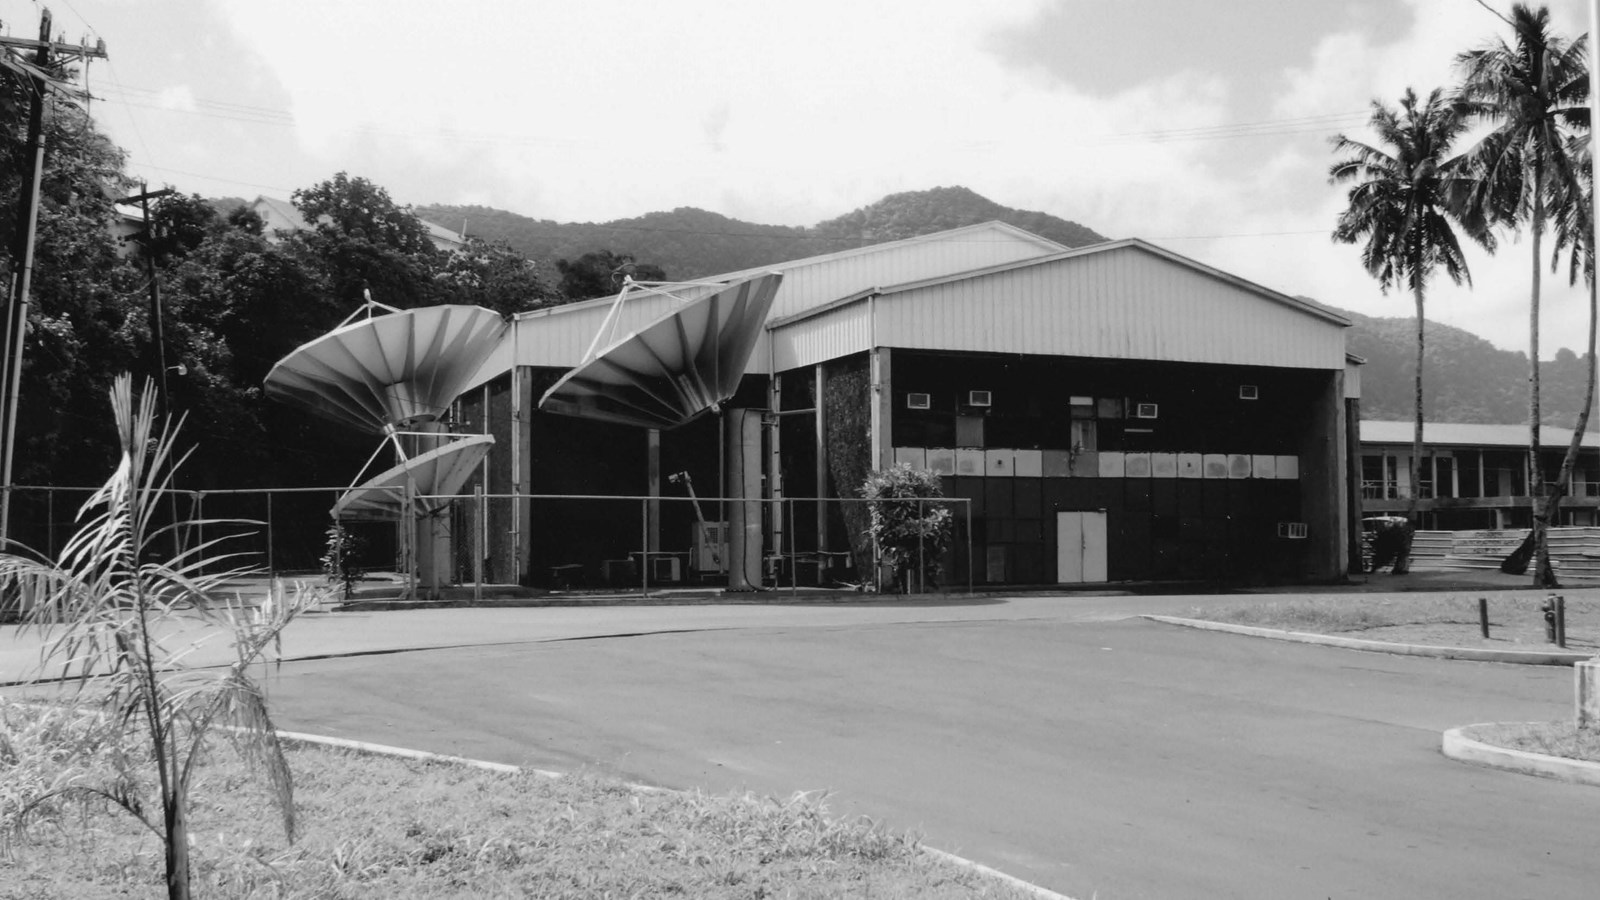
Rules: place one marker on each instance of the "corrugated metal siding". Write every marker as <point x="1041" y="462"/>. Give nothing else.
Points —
<point x="825" y="281"/>
<point x="1121" y="304"/>
<point x="810" y="341"/>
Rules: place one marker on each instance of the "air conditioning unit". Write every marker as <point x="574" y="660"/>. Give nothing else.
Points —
<point x="919" y="401"/>
<point x="1295" y="531"/>
<point x="979" y="398"/>
<point x="1249" y="392"/>
<point x="709" y="541"/>
<point x="1145" y="411"/>
<point x="664" y="569"/>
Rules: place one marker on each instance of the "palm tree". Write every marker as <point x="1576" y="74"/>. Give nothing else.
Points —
<point x="1533" y="90"/>
<point x="115" y="616"/>
<point x="1574" y="230"/>
<point x="1400" y="206"/>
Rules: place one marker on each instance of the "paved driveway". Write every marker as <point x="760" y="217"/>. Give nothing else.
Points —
<point x="1098" y="756"/>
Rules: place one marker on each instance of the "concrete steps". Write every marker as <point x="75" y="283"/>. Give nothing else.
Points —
<point x="1574" y="551"/>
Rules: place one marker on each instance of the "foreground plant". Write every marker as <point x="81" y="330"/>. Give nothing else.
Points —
<point x="116" y="620"/>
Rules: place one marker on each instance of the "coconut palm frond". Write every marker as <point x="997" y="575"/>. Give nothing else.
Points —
<point x="238" y="703"/>
<point x="112" y="608"/>
<point x="1401" y="203"/>
<point x="122" y="793"/>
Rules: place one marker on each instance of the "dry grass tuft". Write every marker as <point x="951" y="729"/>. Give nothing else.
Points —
<point x="1561" y="738"/>
<point x="380" y="827"/>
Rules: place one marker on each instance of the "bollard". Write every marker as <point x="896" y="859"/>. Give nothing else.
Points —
<point x="1483" y="616"/>
<point x="1561" y="622"/>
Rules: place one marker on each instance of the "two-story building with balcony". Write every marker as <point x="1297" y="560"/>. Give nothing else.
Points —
<point x="1472" y="476"/>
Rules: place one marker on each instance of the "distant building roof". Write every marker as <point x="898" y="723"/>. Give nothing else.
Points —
<point x="281" y="215"/>
<point x="1462" y="434"/>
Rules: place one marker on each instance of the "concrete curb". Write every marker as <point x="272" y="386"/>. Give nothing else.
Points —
<point x="1457" y="745"/>
<point x="1520" y="657"/>
<point x="292" y="737"/>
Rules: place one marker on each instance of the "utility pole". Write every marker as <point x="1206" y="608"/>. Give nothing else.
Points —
<point x="158" y="333"/>
<point x="39" y="79"/>
<point x="157" y="326"/>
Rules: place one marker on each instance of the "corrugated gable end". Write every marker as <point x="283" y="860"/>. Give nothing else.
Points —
<point x="1122" y="300"/>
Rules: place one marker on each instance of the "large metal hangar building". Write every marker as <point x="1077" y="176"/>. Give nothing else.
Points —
<point x="1115" y="412"/>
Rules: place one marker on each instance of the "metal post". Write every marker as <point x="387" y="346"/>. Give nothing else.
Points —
<point x="1483" y="616"/>
<point x="199" y="507"/>
<point x="1561" y="622"/>
<point x="922" y="586"/>
<point x="477" y="542"/>
<point x="644" y="554"/>
<point x="968" y="505"/>
<point x="877" y="556"/>
<point x="49" y="521"/>
<point x="794" y="555"/>
<point x="270" y="570"/>
<point x="16" y="330"/>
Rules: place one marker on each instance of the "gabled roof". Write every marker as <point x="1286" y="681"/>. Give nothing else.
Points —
<point x="1465" y="434"/>
<point x="1297" y="303"/>
<point x="993" y="228"/>
<point x="953" y="235"/>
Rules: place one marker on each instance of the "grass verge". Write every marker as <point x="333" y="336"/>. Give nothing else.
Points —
<point x="1427" y="618"/>
<point x="381" y="827"/>
<point x="1561" y="738"/>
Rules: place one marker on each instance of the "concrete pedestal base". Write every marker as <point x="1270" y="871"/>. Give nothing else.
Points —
<point x="1586" y="681"/>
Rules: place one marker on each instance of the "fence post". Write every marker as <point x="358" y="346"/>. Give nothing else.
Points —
<point x="970" y="563"/>
<point x="477" y="543"/>
<point x="270" y="569"/>
<point x="199" y="498"/>
<point x="877" y="556"/>
<point x="794" y="554"/>
<point x="922" y="585"/>
<point x="644" y="545"/>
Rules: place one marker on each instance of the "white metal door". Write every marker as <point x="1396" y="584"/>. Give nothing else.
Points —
<point x="1080" y="547"/>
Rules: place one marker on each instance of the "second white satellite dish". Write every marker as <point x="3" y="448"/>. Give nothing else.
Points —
<point x="683" y="364"/>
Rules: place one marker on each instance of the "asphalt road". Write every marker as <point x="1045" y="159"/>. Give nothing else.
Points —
<point x="1099" y="757"/>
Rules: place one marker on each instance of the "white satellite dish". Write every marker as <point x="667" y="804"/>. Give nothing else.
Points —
<point x="425" y="481"/>
<point x="396" y="369"/>
<point x="667" y="373"/>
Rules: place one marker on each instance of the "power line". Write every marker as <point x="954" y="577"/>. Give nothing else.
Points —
<point x="146" y="98"/>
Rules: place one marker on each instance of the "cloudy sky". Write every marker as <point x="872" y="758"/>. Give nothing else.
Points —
<point x="1203" y="127"/>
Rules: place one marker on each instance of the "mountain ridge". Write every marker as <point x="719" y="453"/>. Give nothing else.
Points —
<point x="692" y="243"/>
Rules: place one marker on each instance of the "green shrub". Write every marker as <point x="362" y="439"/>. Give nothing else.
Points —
<point x="911" y="527"/>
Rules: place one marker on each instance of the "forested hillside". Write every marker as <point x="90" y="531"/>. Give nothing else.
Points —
<point x="691" y="243"/>
<point x="1465" y="378"/>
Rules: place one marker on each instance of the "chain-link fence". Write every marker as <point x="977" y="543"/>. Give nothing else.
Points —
<point x="566" y="542"/>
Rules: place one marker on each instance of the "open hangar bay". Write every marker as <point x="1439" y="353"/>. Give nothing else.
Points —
<point x="1053" y="738"/>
